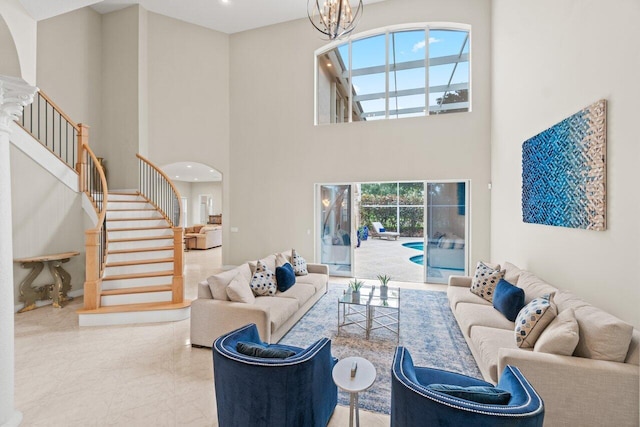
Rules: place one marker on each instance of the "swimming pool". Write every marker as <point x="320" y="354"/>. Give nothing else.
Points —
<point x="417" y="259"/>
<point x="414" y="245"/>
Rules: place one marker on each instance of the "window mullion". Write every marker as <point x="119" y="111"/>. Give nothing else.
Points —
<point x="350" y="109"/>
<point x="386" y="73"/>
<point x="426" y="71"/>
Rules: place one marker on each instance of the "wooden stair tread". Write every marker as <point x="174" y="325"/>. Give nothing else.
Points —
<point x="130" y="251"/>
<point x="139" y="275"/>
<point x="137" y="290"/>
<point x="139" y="262"/>
<point x="138" y="239"/>
<point x="124" y="193"/>
<point x="157" y="227"/>
<point x="151" y="218"/>
<point x="127" y="308"/>
<point x="132" y="210"/>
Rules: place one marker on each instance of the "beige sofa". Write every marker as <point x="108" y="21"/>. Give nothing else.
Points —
<point x="203" y="236"/>
<point x="584" y="389"/>
<point x="274" y="315"/>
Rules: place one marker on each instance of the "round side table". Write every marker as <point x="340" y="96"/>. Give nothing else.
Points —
<point x="364" y="378"/>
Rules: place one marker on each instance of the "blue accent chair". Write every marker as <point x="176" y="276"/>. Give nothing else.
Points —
<point x="412" y="404"/>
<point x="252" y="391"/>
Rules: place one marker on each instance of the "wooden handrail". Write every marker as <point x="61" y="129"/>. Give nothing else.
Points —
<point x="59" y="110"/>
<point x="166" y="177"/>
<point x="102" y="213"/>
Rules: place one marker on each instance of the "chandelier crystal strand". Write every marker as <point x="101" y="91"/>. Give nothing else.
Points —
<point x="334" y="18"/>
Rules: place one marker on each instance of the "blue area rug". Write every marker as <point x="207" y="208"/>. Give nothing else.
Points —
<point x="427" y="328"/>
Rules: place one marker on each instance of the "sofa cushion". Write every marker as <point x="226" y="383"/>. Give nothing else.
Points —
<point x="561" y="336"/>
<point x="280" y="309"/>
<point x="469" y="315"/>
<point x="301" y="292"/>
<point x="486" y="344"/>
<point x="458" y="294"/>
<point x="533" y="286"/>
<point x="285" y="277"/>
<point x="532" y="320"/>
<point x="318" y="281"/>
<point x="602" y="335"/>
<point x="299" y="264"/>
<point x="239" y="290"/>
<point x="263" y="281"/>
<point x="565" y="300"/>
<point x="264" y="351"/>
<point x="485" y="280"/>
<point x="479" y="394"/>
<point x="269" y="261"/>
<point x="508" y="299"/>
<point x="218" y="284"/>
<point x="281" y="260"/>
<point x="511" y="273"/>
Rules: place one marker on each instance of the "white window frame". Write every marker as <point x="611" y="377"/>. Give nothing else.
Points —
<point x="426" y="26"/>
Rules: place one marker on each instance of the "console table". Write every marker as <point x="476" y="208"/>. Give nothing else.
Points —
<point x="56" y="291"/>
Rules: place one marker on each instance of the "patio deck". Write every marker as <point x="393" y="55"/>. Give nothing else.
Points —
<point x="380" y="256"/>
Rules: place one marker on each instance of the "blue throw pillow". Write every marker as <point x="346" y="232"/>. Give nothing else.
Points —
<point x="508" y="299"/>
<point x="285" y="277"/>
<point x="258" y="350"/>
<point x="382" y="230"/>
<point x="479" y="394"/>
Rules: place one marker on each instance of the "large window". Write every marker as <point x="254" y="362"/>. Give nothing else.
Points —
<point x="393" y="73"/>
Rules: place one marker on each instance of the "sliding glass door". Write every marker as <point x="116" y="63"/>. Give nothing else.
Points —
<point x="447" y="223"/>
<point x="335" y="232"/>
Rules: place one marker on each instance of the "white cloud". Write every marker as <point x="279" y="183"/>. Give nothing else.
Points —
<point x="420" y="44"/>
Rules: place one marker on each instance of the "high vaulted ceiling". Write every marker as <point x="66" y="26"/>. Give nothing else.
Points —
<point x="227" y="16"/>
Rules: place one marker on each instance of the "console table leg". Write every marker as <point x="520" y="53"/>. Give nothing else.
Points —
<point x="29" y="294"/>
<point x="57" y="285"/>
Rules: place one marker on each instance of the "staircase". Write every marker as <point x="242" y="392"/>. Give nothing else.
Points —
<point x="139" y="268"/>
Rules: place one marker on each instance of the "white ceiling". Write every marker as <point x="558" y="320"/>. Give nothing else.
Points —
<point x="191" y="172"/>
<point x="227" y="16"/>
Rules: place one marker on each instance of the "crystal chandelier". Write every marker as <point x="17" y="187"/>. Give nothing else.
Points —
<point x="333" y="18"/>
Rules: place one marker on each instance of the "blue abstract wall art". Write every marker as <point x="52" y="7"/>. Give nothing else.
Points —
<point x="564" y="172"/>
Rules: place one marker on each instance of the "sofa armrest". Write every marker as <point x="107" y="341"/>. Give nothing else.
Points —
<point x="462" y="281"/>
<point x="211" y="318"/>
<point x="575" y="390"/>
<point x="318" y="268"/>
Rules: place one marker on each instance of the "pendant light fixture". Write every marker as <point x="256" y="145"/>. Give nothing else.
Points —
<point x="334" y="18"/>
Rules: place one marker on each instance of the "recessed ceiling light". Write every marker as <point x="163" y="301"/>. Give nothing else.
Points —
<point x="224" y="1"/>
<point x="177" y="176"/>
<point x="211" y="170"/>
<point x="329" y="64"/>
<point x="188" y="166"/>
<point x="195" y="179"/>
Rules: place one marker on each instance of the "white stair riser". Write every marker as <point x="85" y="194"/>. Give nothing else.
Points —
<point x="158" y="222"/>
<point x="132" y="283"/>
<point x="139" y="256"/>
<point x="135" y="298"/>
<point x="134" y="317"/>
<point x="128" y="205"/>
<point x="133" y="214"/>
<point x="134" y="234"/>
<point x="140" y="244"/>
<point x="140" y="268"/>
<point x="127" y="197"/>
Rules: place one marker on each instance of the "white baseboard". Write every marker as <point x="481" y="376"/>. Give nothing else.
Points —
<point x="42" y="303"/>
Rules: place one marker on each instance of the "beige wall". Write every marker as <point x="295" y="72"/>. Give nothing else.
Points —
<point x="70" y="67"/>
<point x="120" y="95"/>
<point x="10" y="63"/>
<point x="545" y="68"/>
<point x="188" y="93"/>
<point x="45" y="220"/>
<point x="277" y="155"/>
<point x="24" y="31"/>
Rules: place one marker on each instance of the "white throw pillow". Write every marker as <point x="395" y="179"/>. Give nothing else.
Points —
<point x="299" y="264"/>
<point x="218" y="284"/>
<point x="485" y="280"/>
<point x="533" y="319"/>
<point x="281" y="260"/>
<point x="561" y="336"/>
<point x="263" y="281"/>
<point x="240" y="291"/>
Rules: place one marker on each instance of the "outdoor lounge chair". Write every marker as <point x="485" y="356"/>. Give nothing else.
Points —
<point x="377" y="230"/>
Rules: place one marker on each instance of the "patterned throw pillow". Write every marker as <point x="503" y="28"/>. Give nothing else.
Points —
<point x="533" y="319"/>
<point x="485" y="280"/>
<point x="263" y="281"/>
<point x="299" y="264"/>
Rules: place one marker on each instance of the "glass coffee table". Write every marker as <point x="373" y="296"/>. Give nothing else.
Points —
<point x="369" y="310"/>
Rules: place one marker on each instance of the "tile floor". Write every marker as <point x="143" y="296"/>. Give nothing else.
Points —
<point x="136" y="375"/>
